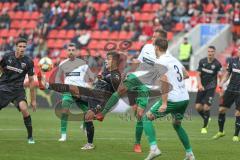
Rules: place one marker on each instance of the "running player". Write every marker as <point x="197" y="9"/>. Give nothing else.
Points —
<point x="231" y="95"/>
<point x="174" y="102"/>
<point x="208" y="70"/>
<point x="15" y="66"/>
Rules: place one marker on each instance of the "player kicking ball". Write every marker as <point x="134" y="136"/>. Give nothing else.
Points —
<point x="14" y="67"/>
<point x="230" y="96"/>
<point x="175" y="102"/>
<point x="208" y="70"/>
<point x="74" y="72"/>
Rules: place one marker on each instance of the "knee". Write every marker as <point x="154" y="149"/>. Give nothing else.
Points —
<point x="176" y="124"/>
<point x="150" y="116"/>
<point x="140" y="113"/>
<point x="237" y="113"/>
<point x="222" y="110"/>
<point x="198" y="107"/>
<point x="206" y="107"/>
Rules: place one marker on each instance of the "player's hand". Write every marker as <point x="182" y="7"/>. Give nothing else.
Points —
<point x="89" y="115"/>
<point x="99" y="116"/>
<point x="200" y="87"/>
<point x="162" y="108"/>
<point x="34" y="105"/>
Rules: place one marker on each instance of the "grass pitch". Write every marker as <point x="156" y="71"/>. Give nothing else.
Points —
<point x="114" y="139"/>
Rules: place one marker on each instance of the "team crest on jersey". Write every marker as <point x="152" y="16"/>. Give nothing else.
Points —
<point x="10" y="60"/>
<point x="213" y="66"/>
<point x="23" y="65"/>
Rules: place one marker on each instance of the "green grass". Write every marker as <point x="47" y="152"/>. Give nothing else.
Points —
<point x="114" y="139"/>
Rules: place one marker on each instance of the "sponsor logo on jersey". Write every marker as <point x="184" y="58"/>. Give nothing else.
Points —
<point x="23" y="65"/>
<point x="236" y="70"/>
<point x="14" y="69"/>
<point x="207" y="70"/>
<point x="72" y="74"/>
<point x="148" y="61"/>
<point x="213" y="66"/>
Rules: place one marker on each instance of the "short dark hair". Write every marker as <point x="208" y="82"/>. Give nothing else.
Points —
<point x="114" y="54"/>
<point x="21" y="40"/>
<point x="161" y="43"/>
<point x="71" y="45"/>
<point x="162" y="33"/>
<point x="212" y="47"/>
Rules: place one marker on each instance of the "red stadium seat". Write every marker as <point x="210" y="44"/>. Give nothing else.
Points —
<point x="35" y="15"/>
<point x="147" y="16"/>
<point x="59" y="43"/>
<point x="7" y="5"/>
<point x="12" y="33"/>
<point x="105" y="35"/>
<point x="62" y="34"/>
<point x="31" y="25"/>
<point x="4" y="33"/>
<point x="96" y="6"/>
<point x="114" y="35"/>
<point x="96" y="35"/>
<point x="1" y="5"/>
<point x="63" y="54"/>
<point x="53" y="34"/>
<point x="15" y="24"/>
<point x="209" y="8"/>
<point x="156" y="7"/>
<point x="70" y="34"/>
<point x="51" y="43"/>
<point x="179" y="27"/>
<point x="137" y="16"/>
<point x="170" y="36"/>
<point x="123" y="35"/>
<point x="93" y="44"/>
<point x="147" y="7"/>
<point x="26" y="15"/>
<point x="23" y="24"/>
<point x="18" y="15"/>
<point x="104" y="7"/>
<point x="101" y="45"/>
<point x="83" y="52"/>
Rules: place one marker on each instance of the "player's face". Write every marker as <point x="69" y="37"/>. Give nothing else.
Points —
<point x="109" y="62"/>
<point x="71" y="51"/>
<point x="211" y="53"/>
<point x="155" y="36"/>
<point x="20" y="49"/>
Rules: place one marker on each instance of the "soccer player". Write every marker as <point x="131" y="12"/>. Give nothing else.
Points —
<point x="15" y="66"/>
<point x="231" y="95"/>
<point x="74" y="72"/>
<point x="133" y="81"/>
<point x="208" y="70"/>
<point x="174" y="102"/>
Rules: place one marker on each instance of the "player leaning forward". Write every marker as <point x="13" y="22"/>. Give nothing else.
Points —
<point x="174" y="102"/>
<point x="14" y="67"/>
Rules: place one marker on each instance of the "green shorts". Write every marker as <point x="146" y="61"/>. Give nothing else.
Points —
<point x="176" y="109"/>
<point x="68" y="100"/>
<point x="134" y="84"/>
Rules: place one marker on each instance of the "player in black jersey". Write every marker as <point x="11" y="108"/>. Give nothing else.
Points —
<point x="208" y="70"/>
<point x="230" y="96"/>
<point x="14" y="67"/>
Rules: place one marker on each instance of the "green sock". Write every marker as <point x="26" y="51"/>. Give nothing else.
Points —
<point x="183" y="137"/>
<point x="138" y="132"/>
<point x="149" y="131"/>
<point x="111" y="102"/>
<point x="64" y="119"/>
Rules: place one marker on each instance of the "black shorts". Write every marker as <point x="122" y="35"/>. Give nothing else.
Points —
<point x="229" y="98"/>
<point x="205" y="97"/>
<point x="11" y="96"/>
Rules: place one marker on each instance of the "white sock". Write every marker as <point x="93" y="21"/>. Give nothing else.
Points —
<point x="64" y="136"/>
<point x="153" y="147"/>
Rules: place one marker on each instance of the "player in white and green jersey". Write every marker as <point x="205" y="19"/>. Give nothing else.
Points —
<point x="72" y="71"/>
<point x="175" y="102"/>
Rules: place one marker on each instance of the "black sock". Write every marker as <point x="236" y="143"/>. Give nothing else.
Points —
<point x="201" y="113"/>
<point x="221" y="121"/>
<point x="28" y="125"/>
<point x="237" y="126"/>
<point x="206" y="118"/>
<point x="90" y="131"/>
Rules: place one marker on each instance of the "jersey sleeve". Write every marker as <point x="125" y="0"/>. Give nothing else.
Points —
<point x="31" y="69"/>
<point x="229" y="67"/>
<point x="89" y="76"/>
<point x="140" y="57"/>
<point x="219" y="67"/>
<point x="200" y="65"/>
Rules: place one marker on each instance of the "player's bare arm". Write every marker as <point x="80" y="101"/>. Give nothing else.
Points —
<point x="200" y="86"/>
<point x="185" y="74"/>
<point x="164" y="88"/>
